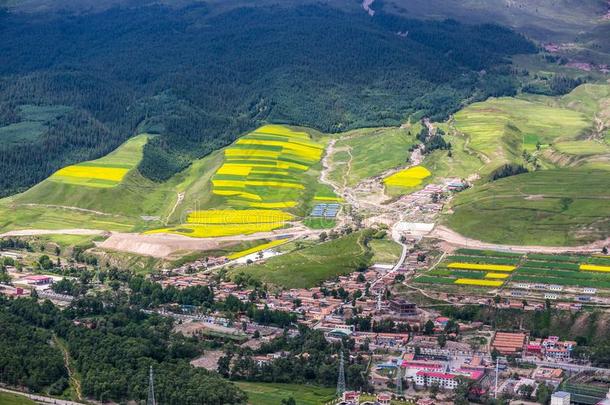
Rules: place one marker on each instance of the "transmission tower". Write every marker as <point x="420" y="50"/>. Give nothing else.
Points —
<point x="399" y="391"/>
<point x="151" y="389"/>
<point x="341" y="380"/>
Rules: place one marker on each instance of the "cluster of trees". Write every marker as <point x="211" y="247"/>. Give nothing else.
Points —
<point x="507" y="170"/>
<point x="306" y="358"/>
<point x="147" y="293"/>
<point x="434" y="141"/>
<point x="225" y="73"/>
<point x="26" y="358"/>
<point x="556" y="85"/>
<point x="112" y="354"/>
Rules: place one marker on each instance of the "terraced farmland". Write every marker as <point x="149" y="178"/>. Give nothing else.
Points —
<point x="265" y="168"/>
<point x="214" y="223"/>
<point x="263" y="175"/>
<point x="501" y="128"/>
<point x="475" y="268"/>
<point x="479" y="268"/>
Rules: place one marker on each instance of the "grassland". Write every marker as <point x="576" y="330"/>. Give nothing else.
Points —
<point x="462" y="163"/>
<point x="13" y="399"/>
<point x="274" y="393"/>
<point x="385" y="251"/>
<point x="500" y="129"/>
<point x="551" y="207"/>
<point x="309" y="266"/>
<point x="369" y="152"/>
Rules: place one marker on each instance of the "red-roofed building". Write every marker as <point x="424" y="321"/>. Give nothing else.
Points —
<point x="38" y="280"/>
<point x="384" y="398"/>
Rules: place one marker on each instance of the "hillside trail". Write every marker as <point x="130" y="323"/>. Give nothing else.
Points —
<point x="454" y="238"/>
<point x="179" y="199"/>
<point x="40" y="232"/>
<point x="74" y="381"/>
<point x="68" y="207"/>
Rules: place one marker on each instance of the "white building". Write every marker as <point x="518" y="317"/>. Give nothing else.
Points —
<point x="560" y="398"/>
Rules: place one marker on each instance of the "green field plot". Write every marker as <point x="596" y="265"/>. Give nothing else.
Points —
<point x="550" y="207"/>
<point x="274" y="393"/>
<point x="433" y="280"/>
<point x="551" y="265"/>
<point x="479" y="259"/>
<point x="565" y="281"/>
<point x="369" y="152"/>
<point x="554" y="258"/>
<point x="487" y="253"/>
<point x="583" y="148"/>
<point x="309" y="266"/>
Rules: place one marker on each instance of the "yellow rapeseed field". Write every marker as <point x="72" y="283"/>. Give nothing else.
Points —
<point x="252" y="216"/>
<point x="499" y="276"/>
<point x="594" y="267"/>
<point x="93" y="172"/>
<point x="258" y="248"/>
<point x="239" y="170"/>
<point x="477" y="282"/>
<point x="410" y="177"/>
<point x="277" y="204"/>
<point x="251" y="153"/>
<point x="323" y="198"/>
<point x="213" y="231"/>
<point x="242" y="194"/>
<point x="477" y="266"/>
<point x="309" y="152"/>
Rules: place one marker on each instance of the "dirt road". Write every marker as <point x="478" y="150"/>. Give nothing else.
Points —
<point x="37" y="232"/>
<point x="454" y="238"/>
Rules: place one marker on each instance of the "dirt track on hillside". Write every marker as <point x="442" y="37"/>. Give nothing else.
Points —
<point x="37" y="232"/>
<point x="454" y="238"/>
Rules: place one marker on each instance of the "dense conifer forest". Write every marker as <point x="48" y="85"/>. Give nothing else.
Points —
<point x="199" y="78"/>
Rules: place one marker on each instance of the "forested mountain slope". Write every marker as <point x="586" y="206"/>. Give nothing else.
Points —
<point x="200" y="77"/>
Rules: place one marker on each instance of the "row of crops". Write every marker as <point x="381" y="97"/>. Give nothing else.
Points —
<point x="262" y="175"/>
<point x="493" y="269"/>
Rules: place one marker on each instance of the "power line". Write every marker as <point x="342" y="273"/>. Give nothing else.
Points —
<point x="151" y="389"/>
<point x="341" y="379"/>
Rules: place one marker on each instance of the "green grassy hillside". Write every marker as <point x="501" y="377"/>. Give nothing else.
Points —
<point x="310" y="266"/>
<point x="549" y="207"/>
<point x="368" y="152"/>
<point x="501" y="129"/>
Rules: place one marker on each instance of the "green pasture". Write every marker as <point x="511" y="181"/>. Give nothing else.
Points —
<point x="14" y="399"/>
<point x="274" y="393"/>
<point x="550" y="207"/>
<point x="373" y="151"/>
<point x="385" y="250"/>
<point x="309" y="266"/>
